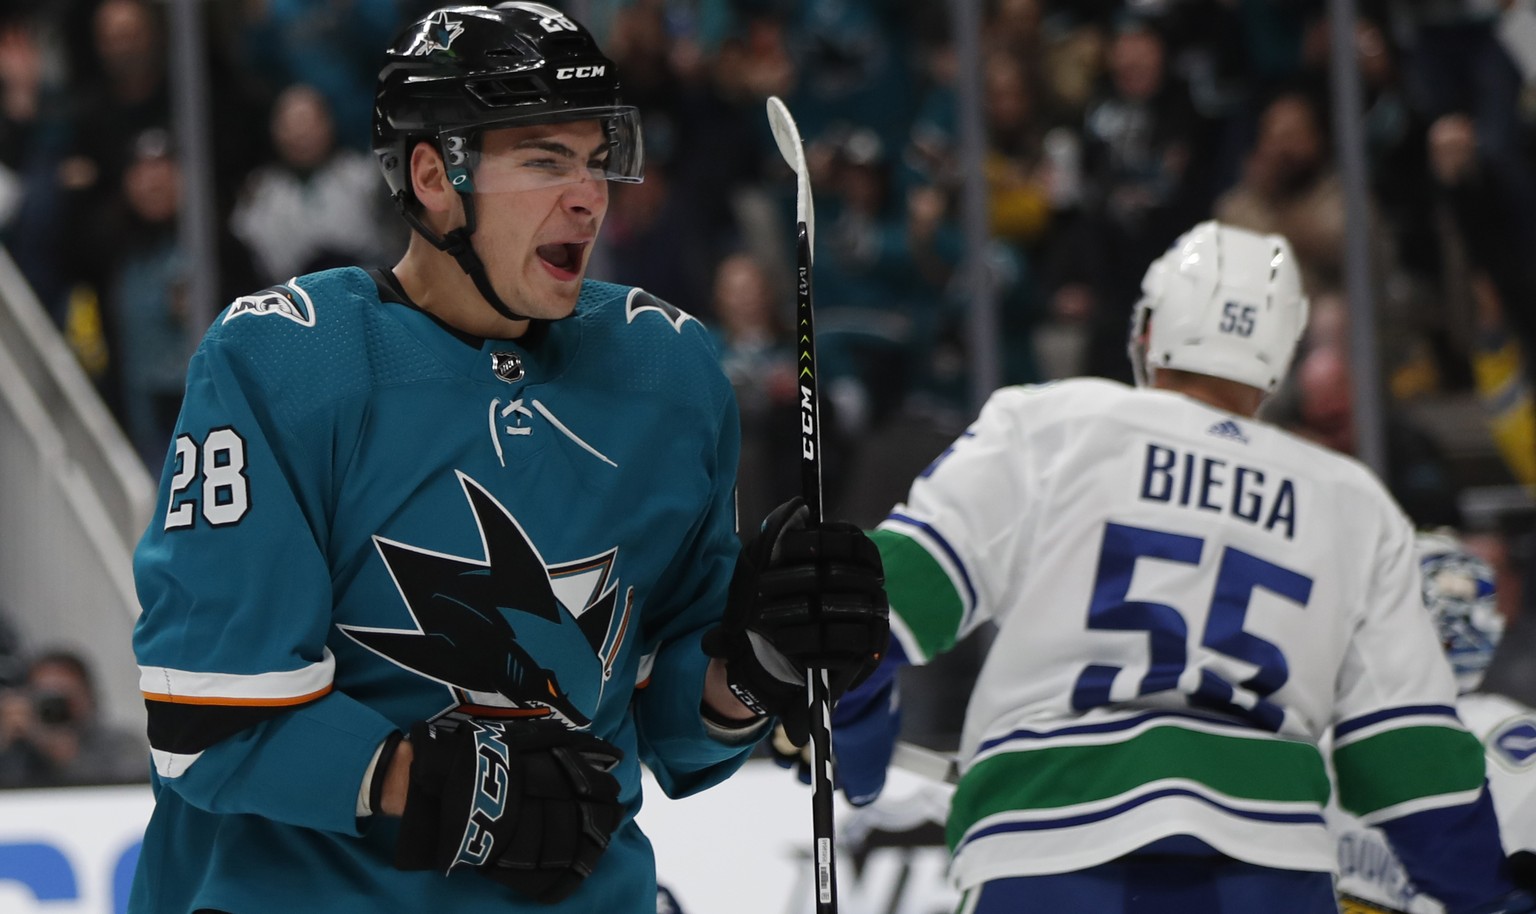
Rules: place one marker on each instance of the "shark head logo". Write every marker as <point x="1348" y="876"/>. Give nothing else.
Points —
<point x="501" y="632"/>
<point x="438" y="34"/>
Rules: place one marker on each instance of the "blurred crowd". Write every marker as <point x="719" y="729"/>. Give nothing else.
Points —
<point x="1110" y="127"/>
<point x="51" y="731"/>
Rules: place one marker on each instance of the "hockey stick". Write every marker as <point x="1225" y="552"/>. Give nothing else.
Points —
<point x="787" y="136"/>
<point x="926" y="763"/>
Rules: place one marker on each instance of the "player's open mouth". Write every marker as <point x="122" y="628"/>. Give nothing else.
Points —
<point x="563" y="260"/>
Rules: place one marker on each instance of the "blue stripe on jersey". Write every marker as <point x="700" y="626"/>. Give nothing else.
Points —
<point x="1111" y="726"/>
<point x="1163" y="885"/>
<point x="965" y="577"/>
<point x="1453" y="853"/>
<point x="1343" y="728"/>
<point x="1302" y="818"/>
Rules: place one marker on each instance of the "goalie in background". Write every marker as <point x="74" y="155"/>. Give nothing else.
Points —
<point x="1459" y="592"/>
<point x="1187" y="600"/>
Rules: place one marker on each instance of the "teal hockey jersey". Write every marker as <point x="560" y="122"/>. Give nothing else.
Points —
<point x="368" y="519"/>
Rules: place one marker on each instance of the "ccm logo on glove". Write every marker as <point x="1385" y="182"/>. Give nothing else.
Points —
<point x="527" y="803"/>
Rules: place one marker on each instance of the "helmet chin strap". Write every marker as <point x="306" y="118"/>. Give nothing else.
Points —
<point x="459" y="244"/>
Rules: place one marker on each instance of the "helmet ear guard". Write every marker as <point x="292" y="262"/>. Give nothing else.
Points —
<point x="1141" y="318"/>
<point x="1224" y="302"/>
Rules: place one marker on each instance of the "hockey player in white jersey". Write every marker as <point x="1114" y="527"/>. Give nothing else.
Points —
<point x="1459" y="592"/>
<point x="1187" y="600"/>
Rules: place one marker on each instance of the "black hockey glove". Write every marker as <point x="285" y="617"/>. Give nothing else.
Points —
<point x="529" y="804"/>
<point x="1520" y="867"/>
<point x="801" y="599"/>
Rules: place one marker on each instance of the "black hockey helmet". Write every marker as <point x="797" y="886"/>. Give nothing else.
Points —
<point x="463" y="69"/>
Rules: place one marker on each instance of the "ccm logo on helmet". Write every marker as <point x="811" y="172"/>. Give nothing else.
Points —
<point x="579" y="72"/>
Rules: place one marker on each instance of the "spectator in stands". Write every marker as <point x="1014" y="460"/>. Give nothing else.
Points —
<point x="13" y="662"/>
<point x="651" y="239"/>
<point x="1502" y="381"/>
<point x="1032" y="177"/>
<point x="124" y="94"/>
<point x="21" y="88"/>
<point x="1418" y="474"/>
<point x="139" y="271"/>
<point x="1394" y="135"/>
<point x="1071" y="66"/>
<point x="50" y="735"/>
<point x="1455" y="61"/>
<point x="1141" y="137"/>
<point x="758" y="355"/>
<point x="1013" y="27"/>
<point x="1290" y="187"/>
<point x="1484" y="223"/>
<point x="756" y="350"/>
<point x="705" y="139"/>
<point x="853" y="59"/>
<point x="316" y="205"/>
<point x="888" y="255"/>
<point x="1018" y="184"/>
<point x="1022" y="115"/>
<point x="329" y="44"/>
<point x="753" y="61"/>
<point x="116" y="89"/>
<point x="31" y="140"/>
<point x="143" y="294"/>
<point x="131" y="96"/>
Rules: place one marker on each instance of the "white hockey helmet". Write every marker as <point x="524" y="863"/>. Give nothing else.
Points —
<point x="1224" y="302"/>
<point x="1460" y="594"/>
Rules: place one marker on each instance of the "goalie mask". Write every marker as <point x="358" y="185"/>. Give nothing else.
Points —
<point x="462" y="70"/>
<point x="1224" y="302"/>
<point x="1459" y="592"/>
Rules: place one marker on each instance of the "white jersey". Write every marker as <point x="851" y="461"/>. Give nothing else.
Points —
<point x="1186" y="603"/>
<point x="1369" y="871"/>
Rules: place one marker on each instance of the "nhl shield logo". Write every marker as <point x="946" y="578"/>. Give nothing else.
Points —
<point x="507" y="365"/>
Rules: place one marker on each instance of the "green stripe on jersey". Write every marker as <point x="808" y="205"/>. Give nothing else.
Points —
<point x="1407" y="764"/>
<point x="1058" y="777"/>
<point x="920" y="592"/>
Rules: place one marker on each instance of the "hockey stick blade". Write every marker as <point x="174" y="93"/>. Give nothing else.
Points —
<point x="787" y="136"/>
<point x="926" y="763"/>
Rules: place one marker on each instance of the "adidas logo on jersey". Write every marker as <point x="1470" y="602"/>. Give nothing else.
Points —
<point x="1226" y="428"/>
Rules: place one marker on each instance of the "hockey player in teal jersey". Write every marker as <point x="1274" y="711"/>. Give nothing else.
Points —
<point x="1187" y="601"/>
<point x="439" y="548"/>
